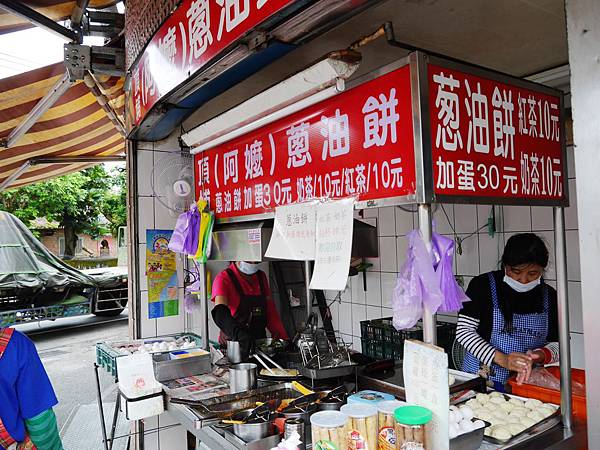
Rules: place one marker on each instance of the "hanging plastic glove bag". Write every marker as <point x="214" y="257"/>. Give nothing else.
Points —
<point x="185" y="235"/>
<point x="442" y="249"/>
<point x="417" y="285"/>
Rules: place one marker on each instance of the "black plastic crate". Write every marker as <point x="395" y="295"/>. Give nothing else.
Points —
<point x="380" y="340"/>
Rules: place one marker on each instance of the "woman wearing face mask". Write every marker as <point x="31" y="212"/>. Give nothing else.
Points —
<point x="244" y="307"/>
<point x="511" y="322"/>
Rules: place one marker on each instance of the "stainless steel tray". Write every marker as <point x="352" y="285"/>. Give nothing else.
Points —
<point x="527" y="431"/>
<point x="166" y="369"/>
<point x="331" y="372"/>
<point x="225" y="406"/>
<point x="468" y="441"/>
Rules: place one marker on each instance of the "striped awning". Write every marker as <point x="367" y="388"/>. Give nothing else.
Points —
<point x="53" y="9"/>
<point x="75" y="126"/>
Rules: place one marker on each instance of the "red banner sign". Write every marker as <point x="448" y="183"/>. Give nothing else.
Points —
<point x="493" y="139"/>
<point x="192" y="36"/>
<point x="359" y="142"/>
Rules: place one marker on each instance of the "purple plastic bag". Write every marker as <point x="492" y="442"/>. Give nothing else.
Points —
<point x="442" y="249"/>
<point x="185" y="235"/>
<point x="426" y="279"/>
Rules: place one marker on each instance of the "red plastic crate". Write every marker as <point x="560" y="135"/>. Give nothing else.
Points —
<point x="551" y="395"/>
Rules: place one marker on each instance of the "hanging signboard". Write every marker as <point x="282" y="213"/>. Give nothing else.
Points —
<point x="193" y="35"/>
<point x="358" y="143"/>
<point x="494" y="139"/>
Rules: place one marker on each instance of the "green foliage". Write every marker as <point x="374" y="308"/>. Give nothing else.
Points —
<point x="76" y="200"/>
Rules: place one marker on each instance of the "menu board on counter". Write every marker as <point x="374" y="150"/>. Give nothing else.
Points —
<point x="425" y="371"/>
<point x="294" y="232"/>
<point x="334" y="244"/>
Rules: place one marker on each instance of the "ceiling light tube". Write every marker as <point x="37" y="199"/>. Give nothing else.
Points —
<point x="318" y="82"/>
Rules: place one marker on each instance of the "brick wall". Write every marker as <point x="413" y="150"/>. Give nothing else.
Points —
<point x="50" y="241"/>
<point x="142" y="19"/>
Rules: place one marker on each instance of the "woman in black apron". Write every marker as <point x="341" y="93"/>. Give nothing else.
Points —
<point x="244" y="309"/>
<point x="511" y="322"/>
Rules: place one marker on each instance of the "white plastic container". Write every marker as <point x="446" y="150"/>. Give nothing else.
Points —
<point x="328" y="430"/>
<point x="361" y="425"/>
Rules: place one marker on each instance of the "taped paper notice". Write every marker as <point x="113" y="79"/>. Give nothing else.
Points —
<point x="294" y="232"/>
<point x="334" y="244"/>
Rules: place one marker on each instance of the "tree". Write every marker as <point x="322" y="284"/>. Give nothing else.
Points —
<point x="114" y="206"/>
<point x="75" y="200"/>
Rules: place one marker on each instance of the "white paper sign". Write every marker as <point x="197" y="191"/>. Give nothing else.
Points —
<point x="294" y="232"/>
<point x="334" y="244"/>
<point x="425" y="371"/>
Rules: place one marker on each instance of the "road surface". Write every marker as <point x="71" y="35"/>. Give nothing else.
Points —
<point x="67" y="349"/>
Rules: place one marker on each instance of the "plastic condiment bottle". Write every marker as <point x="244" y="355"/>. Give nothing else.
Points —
<point x="411" y="422"/>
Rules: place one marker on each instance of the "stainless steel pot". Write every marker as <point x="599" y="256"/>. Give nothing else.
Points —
<point x="250" y="432"/>
<point x="234" y="353"/>
<point x="330" y="406"/>
<point x="242" y="377"/>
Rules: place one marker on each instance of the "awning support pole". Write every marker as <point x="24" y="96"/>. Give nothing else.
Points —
<point x="566" y="406"/>
<point x="307" y="275"/>
<point x="39" y="20"/>
<point x="38" y="110"/>
<point x="203" y="298"/>
<point x="429" y="321"/>
<point x="15" y="175"/>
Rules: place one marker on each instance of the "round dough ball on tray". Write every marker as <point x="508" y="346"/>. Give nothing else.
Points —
<point x="497" y="400"/>
<point x="490" y="406"/>
<point x="516" y="402"/>
<point x="527" y="422"/>
<point x="521" y="412"/>
<point x="497" y="421"/>
<point x="473" y="404"/>
<point x="467" y="412"/>
<point x="500" y="414"/>
<point x="485" y="415"/>
<point x="482" y="398"/>
<point x="545" y="412"/>
<point x="513" y="419"/>
<point x="506" y="406"/>
<point x="496" y="394"/>
<point x="535" y="416"/>
<point x="516" y="428"/>
<point x="533" y="403"/>
<point x="502" y="433"/>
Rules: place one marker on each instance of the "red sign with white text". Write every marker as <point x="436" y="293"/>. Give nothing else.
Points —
<point x="196" y="32"/>
<point x="359" y="142"/>
<point x="492" y="139"/>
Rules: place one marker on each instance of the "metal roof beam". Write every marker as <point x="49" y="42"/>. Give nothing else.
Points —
<point x="38" y="110"/>
<point x="30" y="14"/>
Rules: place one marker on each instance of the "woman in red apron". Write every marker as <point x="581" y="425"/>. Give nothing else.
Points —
<point x="244" y="308"/>
<point x="26" y="397"/>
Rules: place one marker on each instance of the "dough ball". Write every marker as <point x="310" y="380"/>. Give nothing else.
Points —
<point x="545" y="412"/>
<point x="478" y="424"/>
<point x="515" y="428"/>
<point x="502" y="433"/>
<point x="549" y="405"/>
<point x="513" y="419"/>
<point x="473" y="404"/>
<point x="467" y="412"/>
<point x="500" y="414"/>
<point x="491" y="406"/>
<point x="496" y="394"/>
<point x="527" y="422"/>
<point x="489" y="431"/>
<point x="485" y="416"/>
<point x="497" y="400"/>
<point x="519" y="412"/>
<point x="454" y="416"/>
<point x="506" y="406"/>
<point x="482" y="398"/>
<point x="535" y="416"/>
<point x="453" y="430"/>
<point x="516" y="402"/>
<point x="466" y="426"/>
<point x="533" y="403"/>
<point x="497" y="421"/>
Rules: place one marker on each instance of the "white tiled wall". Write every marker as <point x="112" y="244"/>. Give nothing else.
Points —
<point x="161" y="432"/>
<point x="480" y="253"/>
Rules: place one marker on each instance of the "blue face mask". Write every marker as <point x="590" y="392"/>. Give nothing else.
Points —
<point x="247" y="268"/>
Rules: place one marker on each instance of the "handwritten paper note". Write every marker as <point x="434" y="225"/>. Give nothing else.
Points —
<point x="334" y="245"/>
<point x="425" y="371"/>
<point x="294" y="232"/>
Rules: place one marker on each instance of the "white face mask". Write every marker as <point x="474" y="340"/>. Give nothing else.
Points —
<point x="247" y="268"/>
<point x="520" y="287"/>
